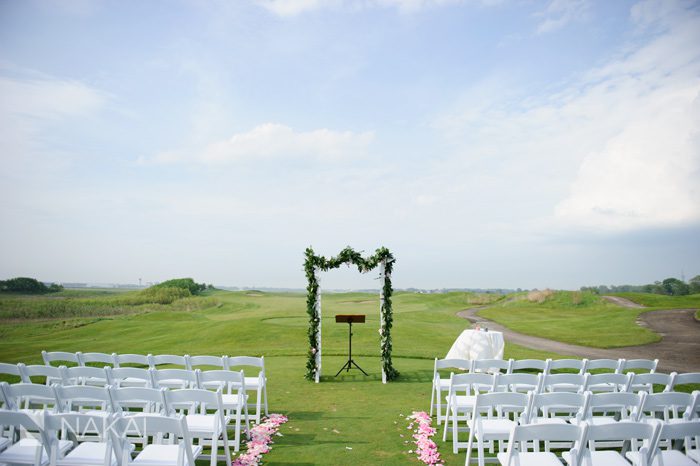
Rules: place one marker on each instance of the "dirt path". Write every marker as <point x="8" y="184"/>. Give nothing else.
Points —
<point x="678" y="350"/>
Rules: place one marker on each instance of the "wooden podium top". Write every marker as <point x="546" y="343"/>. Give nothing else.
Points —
<point x="350" y="318"/>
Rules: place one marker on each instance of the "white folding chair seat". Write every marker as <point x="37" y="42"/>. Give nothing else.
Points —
<point x="29" y="450"/>
<point x="487" y="425"/>
<point x="521" y="435"/>
<point x="179" y="452"/>
<point x="257" y="384"/>
<point x="205" y="427"/>
<point x="460" y="406"/>
<point x="442" y="385"/>
<point x="669" y="457"/>
<point x="98" y="450"/>
<point x="631" y="432"/>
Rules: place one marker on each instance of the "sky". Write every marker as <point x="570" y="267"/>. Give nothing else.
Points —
<point x="486" y="143"/>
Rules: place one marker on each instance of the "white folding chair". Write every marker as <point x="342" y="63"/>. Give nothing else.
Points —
<point x="461" y="397"/>
<point x="169" y="360"/>
<point x="557" y="407"/>
<point x="539" y="365"/>
<point x="233" y="396"/>
<point x="687" y="378"/>
<point x="123" y="377"/>
<point x="84" y="398"/>
<point x="646" y="381"/>
<point x="179" y="451"/>
<point x="127" y="399"/>
<point x="173" y="378"/>
<point x="609" y="382"/>
<point x="204" y="362"/>
<point x="518" y="382"/>
<point x="607" y="365"/>
<point x="86" y="375"/>
<point x="622" y="432"/>
<point x="489" y="425"/>
<point x="635" y="365"/>
<point x="138" y="361"/>
<point x="670" y="407"/>
<point x="100" y="359"/>
<point x="10" y="369"/>
<point x="687" y="456"/>
<point x="257" y="384"/>
<point x="31" y="448"/>
<point x="610" y="408"/>
<point x="30" y="398"/>
<point x="207" y="428"/>
<point x="567" y="365"/>
<point x="92" y="442"/>
<point x="572" y="383"/>
<point x="50" y="357"/>
<point x="441" y="385"/>
<point x="521" y="435"/>
<point x="50" y="374"/>
<point x="492" y="366"/>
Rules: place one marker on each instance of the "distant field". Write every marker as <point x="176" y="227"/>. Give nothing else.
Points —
<point x="349" y="420"/>
<point x="661" y="301"/>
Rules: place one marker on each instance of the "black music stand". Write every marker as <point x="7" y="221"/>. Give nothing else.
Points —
<point x="350" y="319"/>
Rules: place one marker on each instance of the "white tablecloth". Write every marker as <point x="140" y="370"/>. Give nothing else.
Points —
<point x="477" y="344"/>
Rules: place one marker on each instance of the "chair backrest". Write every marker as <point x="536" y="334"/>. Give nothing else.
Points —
<point x="101" y="358"/>
<point x="687" y="378"/>
<point x="619" y="431"/>
<point x="185" y="378"/>
<point x="668" y="405"/>
<point x="576" y="383"/>
<point x="50" y="373"/>
<point x="77" y="425"/>
<point x="50" y="357"/>
<point x="29" y="423"/>
<point x="491" y="365"/>
<point x="149" y="400"/>
<point x="677" y="430"/>
<point x="558" y="402"/>
<point x="529" y="365"/>
<point x="142" y="360"/>
<point x="227" y="381"/>
<point x="471" y="383"/>
<point x="150" y="425"/>
<point x="9" y="369"/>
<point x="568" y="364"/>
<point x="193" y="400"/>
<point x="75" y="397"/>
<point x="520" y="382"/>
<point x="81" y="374"/>
<point x="194" y="362"/>
<point x="625" y="403"/>
<point x="462" y="364"/>
<point x="169" y="359"/>
<point x="648" y="379"/>
<point x="250" y="361"/>
<point x="25" y="395"/>
<point x="614" y="381"/>
<point x="523" y="435"/>
<point x="612" y="365"/>
<point x="516" y="403"/>
<point x="115" y="376"/>
<point x="629" y="365"/>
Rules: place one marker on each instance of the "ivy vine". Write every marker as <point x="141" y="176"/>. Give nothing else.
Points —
<point x="349" y="256"/>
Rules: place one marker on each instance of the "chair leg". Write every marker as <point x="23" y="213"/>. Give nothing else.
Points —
<point x="432" y="398"/>
<point x="470" y="443"/>
<point x="265" y="397"/>
<point x="214" y="451"/>
<point x="447" y="421"/>
<point x="455" y="431"/>
<point x="237" y="433"/>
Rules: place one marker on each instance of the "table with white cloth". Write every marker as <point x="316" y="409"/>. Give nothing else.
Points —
<point x="477" y="344"/>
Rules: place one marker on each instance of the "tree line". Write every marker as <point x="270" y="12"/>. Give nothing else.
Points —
<point x="670" y="286"/>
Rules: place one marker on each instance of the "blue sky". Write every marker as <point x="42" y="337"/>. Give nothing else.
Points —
<point x="486" y="143"/>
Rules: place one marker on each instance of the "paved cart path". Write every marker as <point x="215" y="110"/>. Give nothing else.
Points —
<point x="678" y="350"/>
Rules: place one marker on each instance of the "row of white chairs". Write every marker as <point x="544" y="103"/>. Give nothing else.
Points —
<point x="492" y="416"/>
<point x="71" y="439"/>
<point x="228" y="386"/>
<point x="582" y="366"/>
<point x="464" y="388"/>
<point x="138" y="376"/>
<point x="644" y="440"/>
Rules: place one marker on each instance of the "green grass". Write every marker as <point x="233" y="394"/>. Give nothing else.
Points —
<point x="660" y="301"/>
<point x="351" y="411"/>
<point x="582" y="319"/>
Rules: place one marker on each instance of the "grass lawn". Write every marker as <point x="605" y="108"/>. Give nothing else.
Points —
<point x="659" y="301"/>
<point x="347" y="420"/>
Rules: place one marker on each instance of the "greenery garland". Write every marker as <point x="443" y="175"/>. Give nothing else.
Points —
<point x="349" y="256"/>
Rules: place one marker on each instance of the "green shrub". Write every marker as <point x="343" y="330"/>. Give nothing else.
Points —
<point x="27" y="285"/>
<point x="184" y="283"/>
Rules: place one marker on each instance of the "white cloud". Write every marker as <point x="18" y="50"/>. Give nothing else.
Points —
<point x="617" y="149"/>
<point x="559" y="13"/>
<point x="273" y="141"/>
